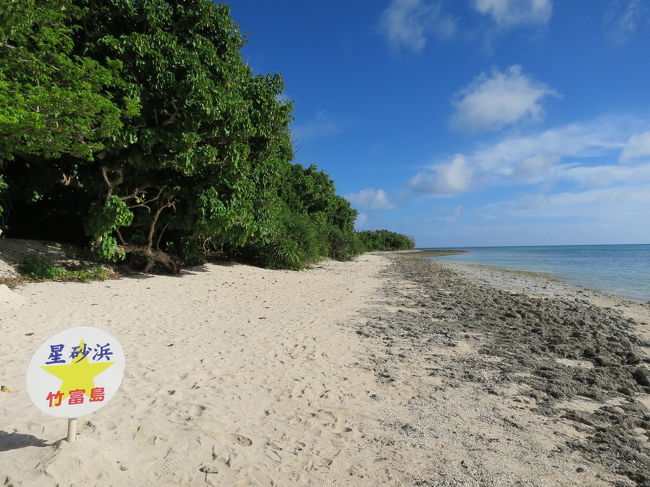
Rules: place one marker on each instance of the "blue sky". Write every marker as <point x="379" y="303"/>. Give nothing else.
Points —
<point x="470" y="122"/>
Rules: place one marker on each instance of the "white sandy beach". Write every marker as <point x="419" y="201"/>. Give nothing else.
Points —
<point x="235" y="376"/>
<point x="240" y="376"/>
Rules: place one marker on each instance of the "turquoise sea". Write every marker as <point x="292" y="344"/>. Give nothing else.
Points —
<point x="616" y="269"/>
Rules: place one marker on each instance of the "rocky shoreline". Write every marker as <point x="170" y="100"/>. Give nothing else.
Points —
<point x="578" y="368"/>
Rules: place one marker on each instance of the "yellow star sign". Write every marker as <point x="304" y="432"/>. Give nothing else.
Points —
<point x="77" y="375"/>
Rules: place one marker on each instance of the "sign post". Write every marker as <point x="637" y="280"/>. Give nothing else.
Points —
<point x="72" y="429"/>
<point x="75" y="373"/>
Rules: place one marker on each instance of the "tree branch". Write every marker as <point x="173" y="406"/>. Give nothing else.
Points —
<point x="112" y="183"/>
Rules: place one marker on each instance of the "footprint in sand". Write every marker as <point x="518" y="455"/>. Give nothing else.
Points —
<point x="173" y="466"/>
<point x="243" y="440"/>
<point x="217" y="473"/>
<point x="213" y="468"/>
<point x="271" y="457"/>
<point x="91" y="426"/>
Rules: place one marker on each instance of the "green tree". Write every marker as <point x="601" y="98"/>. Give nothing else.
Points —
<point x="384" y="240"/>
<point x="140" y="119"/>
<point x="51" y="101"/>
<point x="54" y="111"/>
<point x="198" y="167"/>
<point x="312" y="222"/>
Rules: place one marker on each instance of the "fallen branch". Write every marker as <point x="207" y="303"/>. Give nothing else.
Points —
<point x="152" y="255"/>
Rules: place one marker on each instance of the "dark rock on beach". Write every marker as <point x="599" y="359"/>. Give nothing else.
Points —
<point x="559" y="349"/>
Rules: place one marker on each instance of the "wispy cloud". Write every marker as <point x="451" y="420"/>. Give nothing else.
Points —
<point x="614" y="202"/>
<point x="496" y="100"/>
<point x="512" y="13"/>
<point x="407" y="23"/>
<point x="637" y="146"/>
<point x="319" y="127"/>
<point x="622" y="19"/>
<point x="535" y="169"/>
<point x="448" y="217"/>
<point x="581" y="153"/>
<point x="370" y="199"/>
<point x="606" y="175"/>
<point x="577" y="140"/>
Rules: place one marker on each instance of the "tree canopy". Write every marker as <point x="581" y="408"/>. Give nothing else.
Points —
<point x="137" y="126"/>
<point x="385" y="240"/>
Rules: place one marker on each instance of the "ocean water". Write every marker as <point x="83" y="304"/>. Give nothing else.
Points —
<point x="616" y="269"/>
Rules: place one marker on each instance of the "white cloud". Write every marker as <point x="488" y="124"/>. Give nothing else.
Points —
<point x="577" y="140"/>
<point x="320" y="127"/>
<point x="406" y="23"/>
<point x="607" y="175"/>
<point x="557" y="203"/>
<point x="491" y="102"/>
<point x="534" y="169"/>
<point x="574" y="153"/>
<point x="622" y="19"/>
<point x="580" y="193"/>
<point x="614" y="202"/>
<point x="511" y="13"/>
<point x="446" y="179"/>
<point x="370" y="199"/>
<point x="637" y="146"/>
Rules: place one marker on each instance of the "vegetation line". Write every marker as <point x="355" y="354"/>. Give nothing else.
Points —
<point x="137" y="129"/>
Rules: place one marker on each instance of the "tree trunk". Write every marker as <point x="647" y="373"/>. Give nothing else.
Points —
<point x="154" y="255"/>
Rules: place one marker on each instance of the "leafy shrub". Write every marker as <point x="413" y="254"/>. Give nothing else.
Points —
<point x="283" y="255"/>
<point x="295" y="243"/>
<point x="96" y="273"/>
<point x="39" y="268"/>
<point x="343" y="245"/>
<point x="42" y="268"/>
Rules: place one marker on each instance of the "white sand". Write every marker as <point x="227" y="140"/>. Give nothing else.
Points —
<point x="239" y="376"/>
<point x="235" y="376"/>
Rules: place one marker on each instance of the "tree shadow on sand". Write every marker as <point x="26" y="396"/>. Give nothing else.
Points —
<point x="13" y="441"/>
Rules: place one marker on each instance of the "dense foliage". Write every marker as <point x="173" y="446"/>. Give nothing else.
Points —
<point x="136" y="126"/>
<point x="313" y="222"/>
<point x="55" y="108"/>
<point x="384" y="240"/>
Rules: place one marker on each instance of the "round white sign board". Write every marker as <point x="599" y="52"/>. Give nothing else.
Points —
<point x="75" y="372"/>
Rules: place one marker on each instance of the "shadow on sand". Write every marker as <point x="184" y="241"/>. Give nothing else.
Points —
<point x="14" y="441"/>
